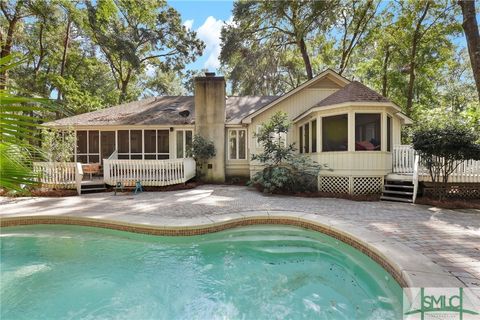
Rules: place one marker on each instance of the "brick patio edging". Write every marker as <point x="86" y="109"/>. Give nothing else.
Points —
<point x="408" y="267"/>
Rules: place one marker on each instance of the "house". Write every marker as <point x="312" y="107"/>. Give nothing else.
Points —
<point x="340" y="123"/>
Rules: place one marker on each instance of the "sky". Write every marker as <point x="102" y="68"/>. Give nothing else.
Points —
<point x="206" y="18"/>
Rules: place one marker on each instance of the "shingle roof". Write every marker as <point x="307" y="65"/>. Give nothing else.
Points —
<point x="352" y="92"/>
<point x="162" y="111"/>
<point x="240" y="107"/>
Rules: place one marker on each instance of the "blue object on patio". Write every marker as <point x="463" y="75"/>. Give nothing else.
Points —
<point x="118" y="185"/>
<point x="138" y="187"/>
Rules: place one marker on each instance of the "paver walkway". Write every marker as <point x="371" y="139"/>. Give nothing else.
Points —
<point x="449" y="238"/>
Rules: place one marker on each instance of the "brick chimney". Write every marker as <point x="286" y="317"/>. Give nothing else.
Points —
<point x="210" y="121"/>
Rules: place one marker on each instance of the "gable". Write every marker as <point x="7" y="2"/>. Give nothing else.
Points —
<point x="323" y="85"/>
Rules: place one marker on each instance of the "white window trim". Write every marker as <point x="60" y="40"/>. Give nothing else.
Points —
<point x="88" y="153"/>
<point x="383" y="146"/>
<point x="184" y="146"/>
<point x="237" y="144"/>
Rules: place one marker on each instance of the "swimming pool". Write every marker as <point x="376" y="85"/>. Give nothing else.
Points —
<point x="255" y="272"/>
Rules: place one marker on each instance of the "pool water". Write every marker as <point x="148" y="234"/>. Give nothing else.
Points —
<point x="257" y="272"/>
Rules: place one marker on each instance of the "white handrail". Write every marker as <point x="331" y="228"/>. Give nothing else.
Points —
<point x="404" y="163"/>
<point x="56" y="174"/>
<point x="113" y="156"/>
<point x="149" y="172"/>
<point x="79" y="177"/>
<point x="415" y="177"/>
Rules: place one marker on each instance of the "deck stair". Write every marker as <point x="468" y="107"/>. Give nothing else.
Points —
<point x="90" y="186"/>
<point x="400" y="190"/>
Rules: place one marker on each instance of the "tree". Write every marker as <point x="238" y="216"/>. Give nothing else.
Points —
<point x="470" y="27"/>
<point x="58" y="145"/>
<point x="279" y="24"/>
<point x="355" y="19"/>
<point x="132" y="34"/>
<point x="443" y="143"/>
<point x="284" y="170"/>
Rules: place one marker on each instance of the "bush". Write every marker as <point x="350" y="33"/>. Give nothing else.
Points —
<point x="284" y="170"/>
<point x="443" y="146"/>
<point x="202" y="149"/>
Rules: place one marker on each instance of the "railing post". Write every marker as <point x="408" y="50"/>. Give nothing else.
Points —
<point x="78" y="177"/>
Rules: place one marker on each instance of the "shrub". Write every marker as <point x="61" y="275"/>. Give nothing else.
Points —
<point x="58" y="145"/>
<point x="202" y="149"/>
<point x="443" y="146"/>
<point x="284" y="170"/>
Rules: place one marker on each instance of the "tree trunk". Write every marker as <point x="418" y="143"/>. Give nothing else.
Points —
<point x="66" y="42"/>
<point x="385" y="71"/>
<point x="470" y="27"/>
<point x="413" y="57"/>
<point x="6" y="50"/>
<point x="306" y="59"/>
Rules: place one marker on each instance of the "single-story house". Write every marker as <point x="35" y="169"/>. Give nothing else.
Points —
<point x="343" y="124"/>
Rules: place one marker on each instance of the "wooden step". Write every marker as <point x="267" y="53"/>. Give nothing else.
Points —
<point x="386" y="198"/>
<point x="93" y="189"/>
<point x="400" y="186"/>
<point x="405" y="193"/>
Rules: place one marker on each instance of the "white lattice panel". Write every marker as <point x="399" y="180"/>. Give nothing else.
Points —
<point x="367" y="185"/>
<point x="335" y="184"/>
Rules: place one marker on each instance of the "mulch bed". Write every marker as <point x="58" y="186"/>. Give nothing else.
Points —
<point x="450" y="203"/>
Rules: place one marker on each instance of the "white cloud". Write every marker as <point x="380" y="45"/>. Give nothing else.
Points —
<point x="188" y="24"/>
<point x="209" y="32"/>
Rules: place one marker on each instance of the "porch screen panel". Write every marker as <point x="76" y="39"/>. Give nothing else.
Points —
<point x="93" y="142"/>
<point x="307" y="138"/>
<point x="335" y="133"/>
<point x="389" y="134"/>
<point x="163" y="144"/>
<point x="150" y="144"/>
<point x="367" y="132"/>
<point x="123" y="142"/>
<point x="136" y="141"/>
<point x="82" y="146"/>
<point x="81" y="142"/>
<point x="314" y="136"/>
<point x="300" y="134"/>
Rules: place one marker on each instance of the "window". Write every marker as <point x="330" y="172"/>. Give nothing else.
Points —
<point x="308" y="137"/>
<point x="367" y="132"/>
<point x="88" y="146"/>
<point x="314" y="136"/>
<point x="389" y="133"/>
<point x="184" y="143"/>
<point x="335" y="133"/>
<point x="300" y="134"/>
<point x="237" y="144"/>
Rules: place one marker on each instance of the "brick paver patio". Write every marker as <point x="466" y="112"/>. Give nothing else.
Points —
<point x="449" y="238"/>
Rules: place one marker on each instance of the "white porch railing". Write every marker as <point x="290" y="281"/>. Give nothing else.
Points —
<point x="404" y="163"/>
<point x="403" y="159"/>
<point x="57" y="174"/>
<point x="149" y="172"/>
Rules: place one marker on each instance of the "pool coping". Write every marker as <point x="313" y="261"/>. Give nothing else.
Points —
<point x="407" y="266"/>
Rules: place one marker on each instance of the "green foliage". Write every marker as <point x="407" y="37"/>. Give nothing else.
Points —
<point x="444" y="141"/>
<point x="202" y="150"/>
<point x="284" y="170"/>
<point x="132" y="34"/>
<point x="18" y="128"/>
<point x="58" y="145"/>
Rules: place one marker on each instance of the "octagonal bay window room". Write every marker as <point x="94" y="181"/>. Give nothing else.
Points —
<point x="346" y="132"/>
